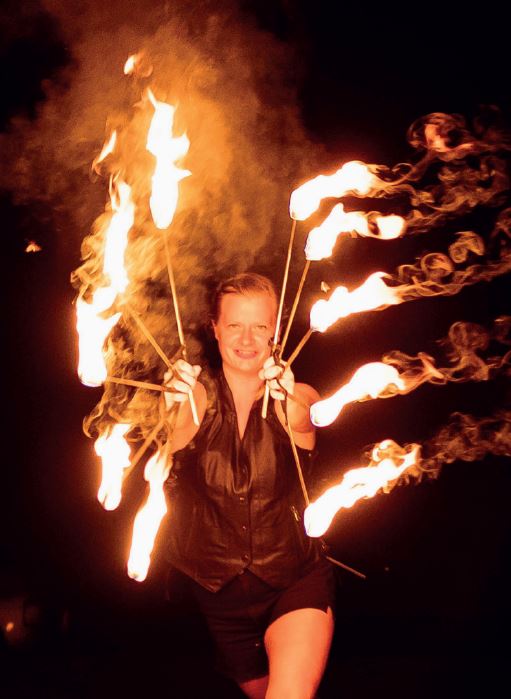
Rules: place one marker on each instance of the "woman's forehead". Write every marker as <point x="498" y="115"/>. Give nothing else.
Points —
<point x="251" y="305"/>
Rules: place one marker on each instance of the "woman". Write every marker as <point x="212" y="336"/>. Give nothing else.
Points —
<point x="235" y="512"/>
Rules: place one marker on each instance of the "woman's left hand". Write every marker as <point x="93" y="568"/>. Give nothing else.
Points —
<point x="280" y="378"/>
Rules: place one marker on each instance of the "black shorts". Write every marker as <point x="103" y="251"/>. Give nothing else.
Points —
<point x="239" y="614"/>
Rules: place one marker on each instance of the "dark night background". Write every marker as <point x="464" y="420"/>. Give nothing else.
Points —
<point x="430" y="615"/>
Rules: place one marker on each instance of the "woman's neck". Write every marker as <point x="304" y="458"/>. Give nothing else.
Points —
<point x="247" y="385"/>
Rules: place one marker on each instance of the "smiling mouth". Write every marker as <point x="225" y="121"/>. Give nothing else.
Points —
<point x="245" y="354"/>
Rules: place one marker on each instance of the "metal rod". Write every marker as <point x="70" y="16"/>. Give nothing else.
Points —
<point x="295" y="305"/>
<point x="138" y="384"/>
<point x="299" y="347"/>
<point x="264" y="410"/>
<point x="180" y="333"/>
<point x="148" y="334"/>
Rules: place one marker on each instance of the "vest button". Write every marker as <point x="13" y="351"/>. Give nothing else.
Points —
<point x="242" y="498"/>
<point x="245" y="557"/>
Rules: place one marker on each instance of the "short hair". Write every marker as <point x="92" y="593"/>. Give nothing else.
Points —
<point x="244" y="283"/>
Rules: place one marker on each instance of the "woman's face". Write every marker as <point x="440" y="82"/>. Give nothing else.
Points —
<point x="244" y="330"/>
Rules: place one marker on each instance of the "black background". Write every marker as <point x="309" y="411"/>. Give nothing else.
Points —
<point x="429" y="616"/>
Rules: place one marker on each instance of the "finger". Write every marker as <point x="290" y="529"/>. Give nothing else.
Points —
<point x="181" y="386"/>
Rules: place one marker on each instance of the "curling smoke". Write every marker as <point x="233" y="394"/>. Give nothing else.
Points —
<point x="434" y="274"/>
<point x="399" y="373"/>
<point x="463" y="438"/>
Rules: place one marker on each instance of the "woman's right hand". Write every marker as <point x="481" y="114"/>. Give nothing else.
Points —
<point x="181" y="379"/>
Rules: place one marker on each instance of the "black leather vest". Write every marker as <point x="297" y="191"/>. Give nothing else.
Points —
<point x="236" y="503"/>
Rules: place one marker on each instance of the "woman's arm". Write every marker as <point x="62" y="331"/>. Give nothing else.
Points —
<point x="183" y="382"/>
<point x="298" y="398"/>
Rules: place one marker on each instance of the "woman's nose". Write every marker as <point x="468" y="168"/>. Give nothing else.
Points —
<point x="246" y="336"/>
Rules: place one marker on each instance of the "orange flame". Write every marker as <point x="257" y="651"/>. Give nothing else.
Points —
<point x="129" y="66"/>
<point x="372" y="294"/>
<point x="166" y="149"/>
<point x="148" y="518"/>
<point x="33" y="247"/>
<point x="351" y="177"/>
<point x="356" y="484"/>
<point x="91" y="326"/>
<point x="321" y="240"/>
<point x="108" y="148"/>
<point x="390" y="227"/>
<point x="369" y="381"/>
<point x="115" y="456"/>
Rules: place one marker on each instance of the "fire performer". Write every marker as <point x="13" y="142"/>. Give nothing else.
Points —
<point x="235" y="525"/>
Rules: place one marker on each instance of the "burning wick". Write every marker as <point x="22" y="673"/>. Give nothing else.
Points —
<point x="321" y="240"/>
<point x="371" y="295"/>
<point x="148" y="518"/>
<point x="351" y="177"/>
<point x="356" y="484"/>
<point x="369" y="381"/>
<point x="115" y="455"/>
<point x="33" y="247"/>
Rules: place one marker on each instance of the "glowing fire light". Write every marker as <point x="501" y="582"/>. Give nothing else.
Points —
<point x="356" y="484"/>
<point x="92" y="331"/>
<point x="148" y="518"/>
<point x="369" y="381"/>
<point x="372" y="294"/>
<point x="129" y="66"/>
<point x="166" y="149"/>
<point x="390" y="227"/>
<point x="115" y="456"/>
<point x="351" y="177"/>
<point x="108" y="148"/>
<point x="92" y="327"/>
<point x="321" y="240"/>
<point x="33" y="247"/>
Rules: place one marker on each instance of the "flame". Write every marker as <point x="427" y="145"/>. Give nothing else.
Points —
<point x="369" y="381"/>
<point x="108" y="148"/>
<point x="91" y="326"/>
<point x="92" y="331"/>
<point x="390" y="227"/>
<point x="166" y="149"/>
<point x="356" y="484"/>
<point x="321" y="240"/>
<point x="138" y="63"/>
<point x="353" y="176"/>
<point x="372" y="294"/>
<point x="129" y="66"/>
<point x="33" y="247"/>
<point x="115" y="456"/>
<point x="148" y="518"/>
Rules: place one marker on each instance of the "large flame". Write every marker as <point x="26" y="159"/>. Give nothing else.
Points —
<point x="321" y="240"/>
<point x="351" y="177"/>
<point x="92" y="327"/>
<point x="356" y="484"/>
<point x="148" y="518"/>
<point x="372" y="294"/>
<point x="108" y="148"/>
<point x="115" y="456"/>
<point x="369" y="381"/>
<point x="166" y="149"/>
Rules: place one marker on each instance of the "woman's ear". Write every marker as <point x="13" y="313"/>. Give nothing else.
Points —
<point x="213" y="328"/>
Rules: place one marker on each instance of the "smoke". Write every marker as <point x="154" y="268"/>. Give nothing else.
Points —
<point x="469" y="347"/>
<point x="440" y="274"/>
<point x="459" y="167"/>
<point x="235" y="98"/>
<point x="464" y="438"/>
